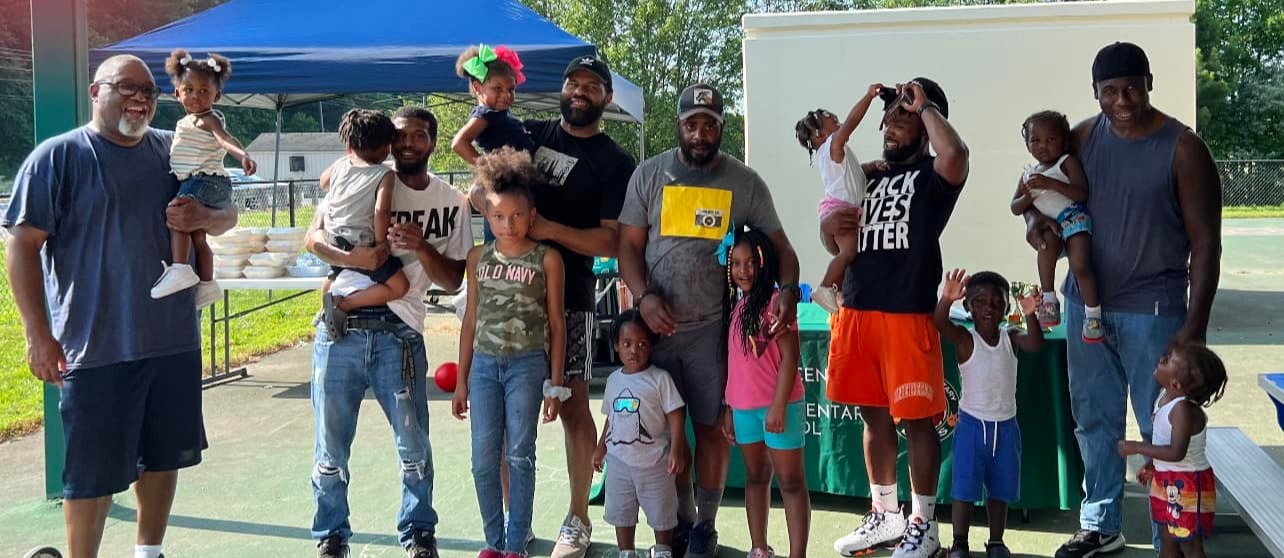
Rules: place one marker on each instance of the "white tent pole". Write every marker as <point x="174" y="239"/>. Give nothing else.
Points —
<point x="641" y="140"/>
<point x="276" y="166"/>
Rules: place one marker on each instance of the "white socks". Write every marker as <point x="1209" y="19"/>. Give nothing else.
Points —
<point x="1049" y="296"/>
<point x="883" y="497"/>
<point x="148" y="551"/>
<point x="924" y="506"/>
<point x="1092" y="311"/>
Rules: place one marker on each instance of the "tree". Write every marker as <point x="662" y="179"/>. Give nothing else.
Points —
<point x="1240" y="80"/>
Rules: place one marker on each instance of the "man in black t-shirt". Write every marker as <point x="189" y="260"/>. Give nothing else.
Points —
<point x="885" y="353"/>
<point x="587" y="175"/>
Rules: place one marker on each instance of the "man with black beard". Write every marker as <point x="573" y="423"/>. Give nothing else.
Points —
<point x="680" y="206"/>
<point x="885" y="353"/>
<point x="585" y="174"/>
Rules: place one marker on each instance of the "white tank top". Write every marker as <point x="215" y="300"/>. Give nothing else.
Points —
<point x="350" y="202"/>
<point x="196" y="151"/>
<point x="844" y="181"/>
<point x="1162" y="435"/>
<point x="1050" y="202"/>
<point x="989" y="379"/>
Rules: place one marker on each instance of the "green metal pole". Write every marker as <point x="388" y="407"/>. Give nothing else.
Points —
<point x="60" y="94"/>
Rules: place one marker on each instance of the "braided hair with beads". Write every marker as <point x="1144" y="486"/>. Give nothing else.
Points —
<point x="758" y="298"/>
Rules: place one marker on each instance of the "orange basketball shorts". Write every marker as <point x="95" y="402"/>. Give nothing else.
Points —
<point x="879" y="359"/>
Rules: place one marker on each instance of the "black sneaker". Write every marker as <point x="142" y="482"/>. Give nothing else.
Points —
<point x="681" y="538"/>
<point x="422" y="545"/>
<point x="997" y="550"/>
<point x="332" y="547"/>
<point x="959" y="550"/>
<point x="1085" y="544"/>
<point x="704" y="541"/>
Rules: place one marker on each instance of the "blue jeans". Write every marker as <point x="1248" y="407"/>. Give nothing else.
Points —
<point x="341" y="373"/>
<point x="1102" y="377"/>
<point x="504" y="397"/>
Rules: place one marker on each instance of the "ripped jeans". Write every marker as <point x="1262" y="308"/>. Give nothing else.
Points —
<point x="341" y="372"/>
<point x="505" y="394"/>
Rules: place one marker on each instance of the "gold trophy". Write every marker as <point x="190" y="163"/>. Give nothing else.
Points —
<point x="1015" y="317"/>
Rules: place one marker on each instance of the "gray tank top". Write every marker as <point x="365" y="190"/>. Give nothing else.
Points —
<point x="1140" y="248"/>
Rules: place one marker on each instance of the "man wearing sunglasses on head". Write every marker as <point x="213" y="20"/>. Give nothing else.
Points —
<point x="89" y="224"/>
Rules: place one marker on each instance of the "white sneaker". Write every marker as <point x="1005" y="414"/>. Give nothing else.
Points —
<point x="658" y="551"/>
<point x="877" y="531"/>
<point x="207" y="293"/>
<point x="628" y="554"/>
<point x="762" y="553"/>
<point x="921" y="540"/>
<point x="826" y="297"/>
<point x="176" y="278"/>
<point x="573" y="540"/>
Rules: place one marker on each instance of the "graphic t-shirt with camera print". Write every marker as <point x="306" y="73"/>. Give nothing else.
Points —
<point x="636" y="406"/>
<point x="688" y="211"/>
<point x="899" y="267"/>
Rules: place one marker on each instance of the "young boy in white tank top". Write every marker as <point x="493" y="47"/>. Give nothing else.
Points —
<point x="987" y="439"/>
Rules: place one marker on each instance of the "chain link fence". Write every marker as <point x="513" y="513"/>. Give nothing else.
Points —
<point x="1252" y="183"/>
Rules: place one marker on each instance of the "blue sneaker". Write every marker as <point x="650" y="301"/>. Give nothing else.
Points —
<point x="704" y="541"/>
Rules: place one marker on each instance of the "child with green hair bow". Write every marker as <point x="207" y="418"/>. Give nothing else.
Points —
<point x="493" y="74"/>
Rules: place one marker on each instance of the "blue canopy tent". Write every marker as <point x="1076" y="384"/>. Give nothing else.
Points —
<point x="291" y="52"/>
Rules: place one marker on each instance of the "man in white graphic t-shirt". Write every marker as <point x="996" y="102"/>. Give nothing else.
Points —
<point x="383" y="347"/>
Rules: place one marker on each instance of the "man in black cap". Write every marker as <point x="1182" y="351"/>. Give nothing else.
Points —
<point x="885" y="353"/>
<point x="1155" y="199"/>
<point x="586" y="175"/>
<point x="680" y="206"/>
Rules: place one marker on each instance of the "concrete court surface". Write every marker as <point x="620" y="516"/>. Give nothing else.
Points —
<point x="251" y="495"/>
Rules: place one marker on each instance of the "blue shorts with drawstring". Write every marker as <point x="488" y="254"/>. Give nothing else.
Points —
<point x="987" y="460"/>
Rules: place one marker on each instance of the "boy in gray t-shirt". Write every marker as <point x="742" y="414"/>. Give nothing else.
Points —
<point x="643" y="443"/>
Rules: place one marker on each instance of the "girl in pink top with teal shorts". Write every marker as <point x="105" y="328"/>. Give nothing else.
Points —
<point x="765" y="393"/>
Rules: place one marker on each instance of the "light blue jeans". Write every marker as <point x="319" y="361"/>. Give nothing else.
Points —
<point x="341" y="373"/>
<point x="504" y="398"/>
<point x="1103" y="377"/>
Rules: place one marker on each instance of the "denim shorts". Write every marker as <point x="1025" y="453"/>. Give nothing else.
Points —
<point x="211" y="190"/>
<point x="751" y="427"/>
<point x="987" y="455"/>
<point x="125" y="418"/>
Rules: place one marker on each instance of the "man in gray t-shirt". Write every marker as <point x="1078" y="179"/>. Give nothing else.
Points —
<point x="679" y="206"/>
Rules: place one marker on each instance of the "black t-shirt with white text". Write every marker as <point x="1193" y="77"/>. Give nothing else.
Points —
<point x="585" y="180"/>
<point x="898" y="266"/>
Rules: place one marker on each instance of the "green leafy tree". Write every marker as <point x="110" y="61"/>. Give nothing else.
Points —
<point x="1240" y="81"/>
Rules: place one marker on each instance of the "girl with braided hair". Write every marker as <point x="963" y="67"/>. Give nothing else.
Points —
<point x="844" y="180"/>
<point x="765" y="394"/>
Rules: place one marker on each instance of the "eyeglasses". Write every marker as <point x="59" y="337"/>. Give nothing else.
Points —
<point x="127" y="89"/>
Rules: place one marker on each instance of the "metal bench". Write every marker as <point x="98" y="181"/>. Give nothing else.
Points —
<point x="1252" y="482"/>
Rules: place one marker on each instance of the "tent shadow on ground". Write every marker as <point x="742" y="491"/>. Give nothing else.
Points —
<point x="1242" y="317"/>
<point x="127" y="514"/>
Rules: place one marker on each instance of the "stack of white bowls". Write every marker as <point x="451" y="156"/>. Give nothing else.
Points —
<point x="282" y="246"/>
<point x="232" y="250"/>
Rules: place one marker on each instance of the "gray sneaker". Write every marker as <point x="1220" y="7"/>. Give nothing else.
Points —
<point x="661" y="551"/>
<point x="574" y="538"/>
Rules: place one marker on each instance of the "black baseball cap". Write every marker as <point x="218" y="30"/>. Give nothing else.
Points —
<point x="593" y="64"/>
<point x="930" y="88"/>
<point x="1120" y="60"/>
<point x="700" y="99"/>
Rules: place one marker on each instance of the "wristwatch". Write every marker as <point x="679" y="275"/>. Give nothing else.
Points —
<point x="927" y="104"/>
<point x="638" y="301"/>
<point x="793" y="289"/>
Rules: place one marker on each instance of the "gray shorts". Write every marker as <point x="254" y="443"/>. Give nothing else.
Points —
<point x="697" y="361"/>
<point x="628" y="487"/>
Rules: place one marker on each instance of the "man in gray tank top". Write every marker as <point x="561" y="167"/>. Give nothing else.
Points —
<point x="1155" y="199"/>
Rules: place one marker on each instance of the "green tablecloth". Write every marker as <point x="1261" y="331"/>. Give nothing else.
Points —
<point x="1051" y="469"/>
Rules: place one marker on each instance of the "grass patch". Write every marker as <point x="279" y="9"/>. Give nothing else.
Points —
<point x="1253" y="212"/>
<point x="263" y="332"/>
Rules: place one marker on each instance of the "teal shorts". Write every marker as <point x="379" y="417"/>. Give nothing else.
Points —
<point x="751" y="427"/>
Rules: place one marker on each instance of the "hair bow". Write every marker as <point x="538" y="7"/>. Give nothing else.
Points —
<point x="724" y="249"/>
<point x="509" y="56"/>
<point x="213" y="64"/>
<point x="185" y="60"/>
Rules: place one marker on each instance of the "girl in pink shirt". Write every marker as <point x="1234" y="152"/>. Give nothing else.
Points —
<point x="765" y="394"/>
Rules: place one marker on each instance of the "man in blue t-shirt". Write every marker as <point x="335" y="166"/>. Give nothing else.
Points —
<point x="99" y="201"/>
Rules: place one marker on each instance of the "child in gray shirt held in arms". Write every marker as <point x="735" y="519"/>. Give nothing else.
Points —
<point x="643" y="442"/>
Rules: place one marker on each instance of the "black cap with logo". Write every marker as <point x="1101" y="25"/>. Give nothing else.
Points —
<point x="700" y="99"/>
<point x="592" y="64"/>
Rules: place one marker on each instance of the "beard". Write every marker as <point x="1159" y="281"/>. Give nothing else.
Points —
<point x="701" y="160"/>
<point x="904" y="152"/>
<point x="132" y="129"/>
<point x="581" y="117"/>
<point x="412" y="167"/>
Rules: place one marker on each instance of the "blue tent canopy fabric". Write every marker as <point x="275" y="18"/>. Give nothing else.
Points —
<point x="288" y="52"/>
